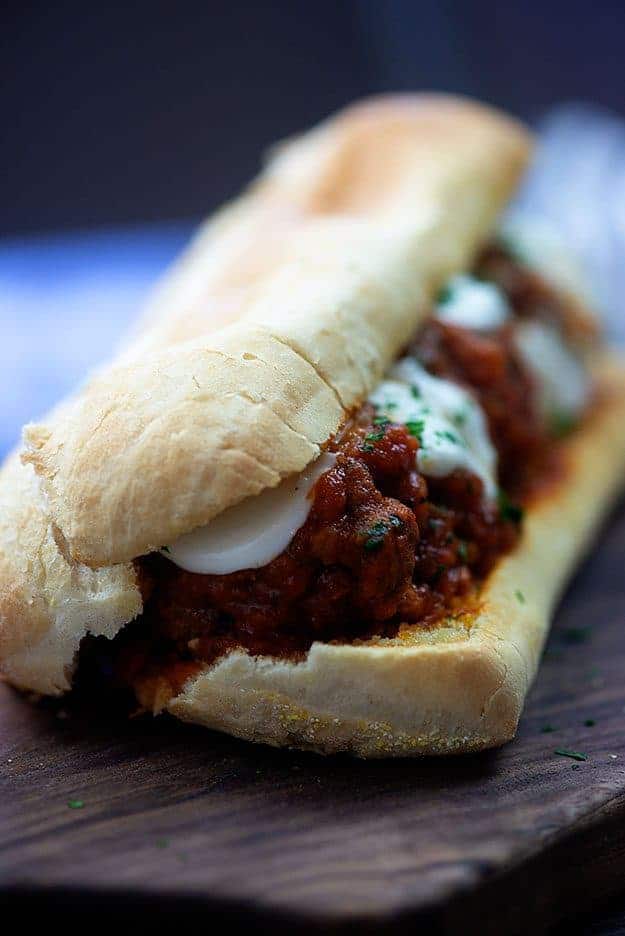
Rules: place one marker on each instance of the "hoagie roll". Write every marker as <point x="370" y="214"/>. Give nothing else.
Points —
<point x="329" y="491"/>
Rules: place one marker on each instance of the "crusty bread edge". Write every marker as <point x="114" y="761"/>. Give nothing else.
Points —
<point x="457" y="688"/>
<point x="362" y="220"/>
<point x="47" y="604"/>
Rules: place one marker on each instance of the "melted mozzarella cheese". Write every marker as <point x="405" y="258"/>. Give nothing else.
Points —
<point x="252" y="533"/>
<point x="538" y="245"/>
<point x="562" y="383"/>
<point x="446" y="418"/>
<point x="473" y="304"/>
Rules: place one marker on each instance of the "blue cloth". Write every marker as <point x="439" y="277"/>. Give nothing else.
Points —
<point x="65" y="300"/>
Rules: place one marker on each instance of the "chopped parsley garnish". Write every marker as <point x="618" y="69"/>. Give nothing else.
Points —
<point x="415" y="427"/>
<point x="561" y="423"/>
<point x="590" y="723"/>
<point x="463" y="552"/>
<point x="444" y="294"/>
<point x="575" y="755"/>
<point x="507" y="509"/>
<point x="414" y="390"/>
<point x="449" y="436"/>
<point x="460" y="417"/>
<point x="75" y="803"/>
<point x="520" y="597"/>
<point x="375" y="534"/>
<point x="162" y="843"/>
<point x="381" y="421"/>
<point x="371" y="438"/>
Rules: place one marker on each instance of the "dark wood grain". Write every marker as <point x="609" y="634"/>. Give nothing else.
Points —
<point x="179" y="818"/>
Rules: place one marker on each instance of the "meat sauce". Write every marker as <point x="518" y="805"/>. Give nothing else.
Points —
<point x="381" y="546"/>
<point x="490" y="367"/>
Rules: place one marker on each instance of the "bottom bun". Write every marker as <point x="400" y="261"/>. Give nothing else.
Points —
<point x="456" y="687"/>
<point x="449" y="689"/>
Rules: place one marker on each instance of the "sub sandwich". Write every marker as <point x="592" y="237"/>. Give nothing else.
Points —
<point x="329" y="490"/>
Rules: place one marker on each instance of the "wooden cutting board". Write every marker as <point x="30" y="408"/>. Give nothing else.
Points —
<point x="149" y="815"/>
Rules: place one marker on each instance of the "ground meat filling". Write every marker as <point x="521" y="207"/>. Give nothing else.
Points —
<point x="531" y="296"/>
<point x="382" y="546"/>
<point x="346" y="570"/>
<point x="491" y="368"/>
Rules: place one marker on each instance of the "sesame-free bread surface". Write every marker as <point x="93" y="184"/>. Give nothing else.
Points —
<point x="336" y="253"/>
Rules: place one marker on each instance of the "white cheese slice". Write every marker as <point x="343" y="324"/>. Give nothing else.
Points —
<point x="473" y="303"/>
<point x="252" y="533"/>
<point x="562" y="384"/>
<point x="538" y="245"/>
<point x="447" y="419"/>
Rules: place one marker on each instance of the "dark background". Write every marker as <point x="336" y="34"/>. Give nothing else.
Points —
<point x="114" y="112"/>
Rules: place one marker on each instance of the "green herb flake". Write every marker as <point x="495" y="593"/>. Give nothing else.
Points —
<point x="561" y="424"/>
<point x="75" y="803"/>
<point x="415" y="427"/>
<point x="520" y="597"/>
<point x="460" y="417"/>
<point x="445" y="294"/>
<point x="463" y="552"/>
<point x="381" y="421"/>
<point x="162" y="843"/>
<point x="574" y="755"/>
<point x="547" y="729"/>
<point x="590" y="723"/>
<point x="371" y="438"/>
<point x="414" y="390"/>
<point x="449" y="436"/>
<point x="375" y="536"/>
<point x="507" y="509"/>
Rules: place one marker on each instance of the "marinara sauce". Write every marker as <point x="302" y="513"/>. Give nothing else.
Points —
<point x="382" y="546"/>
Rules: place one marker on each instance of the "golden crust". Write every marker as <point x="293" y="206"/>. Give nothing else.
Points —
<point x="362" y="219"/>
<point x="367" y="214"/>
<point x="47" y="604"/>
<point x="352" y="165"/>
<point x="456" y="688"/>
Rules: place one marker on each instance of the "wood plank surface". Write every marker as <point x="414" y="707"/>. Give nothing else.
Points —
<point x="149" y="815"/>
